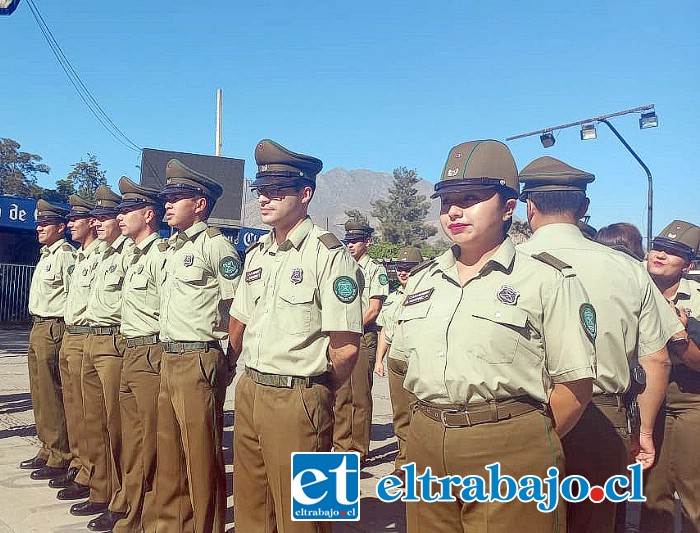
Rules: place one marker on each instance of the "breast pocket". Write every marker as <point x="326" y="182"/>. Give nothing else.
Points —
<point x="52" y="279"/>
<point x="195" y="274"/>
<point x="499" y="330"/>
<point x="415" y="329"/>
<point x="113" y="281"/>
<point x="293" y="309"/>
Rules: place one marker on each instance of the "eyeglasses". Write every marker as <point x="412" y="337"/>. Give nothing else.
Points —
<point x="272" y="193"/>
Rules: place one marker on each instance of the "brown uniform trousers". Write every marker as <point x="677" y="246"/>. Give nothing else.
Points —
<point x="101" y="375"/>
<point x="138" y="400"/>
<point x="676" y="436"/>
<point x="401" y="404"/>
<point x="270" y="424"/>
<point x="70" y="363"/>
<point x="353" y="402"/>
<point x="190" y="476"/>
<point x="597" y="448"/>
<point x="45" y="387"/>
<point x="524" y="445"/>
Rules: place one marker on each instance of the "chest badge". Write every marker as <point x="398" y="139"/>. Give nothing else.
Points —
<point x="48" y="267"/>
<point x="139" y="269"/>
<point x="112" y="267"/>
<point x="297" y="276"/>
<point x="85" y="271"/>
<point x="188" y="260"/>
<point x="253" y="275"/>
<point x="507" y="295"/>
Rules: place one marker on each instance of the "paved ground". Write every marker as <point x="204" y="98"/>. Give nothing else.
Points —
<point x="31" y="506"/>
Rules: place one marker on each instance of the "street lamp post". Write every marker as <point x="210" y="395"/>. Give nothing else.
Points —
<point x="648" y="120"/>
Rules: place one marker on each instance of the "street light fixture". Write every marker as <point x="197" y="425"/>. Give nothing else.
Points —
<point x="547" y="140"/>
<point x="588" y="132"/>
<point x="648" y="119"/>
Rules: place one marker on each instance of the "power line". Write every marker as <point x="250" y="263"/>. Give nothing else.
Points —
<point x="83" y="92"/>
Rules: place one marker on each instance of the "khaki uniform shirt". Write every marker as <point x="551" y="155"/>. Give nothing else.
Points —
<point x="513" y="330"/>
<point x="634" y="319"/>
<point x="376" y="281"/>
<point x="105" y="303"/>
<point x="389" y="314"/>
<point x="202" y="270"/>
<point x="81" y="279"/>
<point x="141" y="290"/>
<point x="51" y="278"/>
<point x="291" y="296"/>
<point x="688" y="297"/>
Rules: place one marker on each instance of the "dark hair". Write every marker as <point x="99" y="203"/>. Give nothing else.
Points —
<point x="623" y="237"/>
<point x="556" y="202"/>
<point x="505" y="194"/>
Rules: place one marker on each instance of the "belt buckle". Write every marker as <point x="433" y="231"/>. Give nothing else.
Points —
<point x="445" y="412"/>
<point x="288" y="381"/>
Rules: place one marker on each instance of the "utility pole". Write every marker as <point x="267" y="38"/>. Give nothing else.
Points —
<point x="219" y="106"/>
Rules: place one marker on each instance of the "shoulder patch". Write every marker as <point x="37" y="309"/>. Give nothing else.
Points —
<point x="421" y="266"/>
<point x="67" y="248"/>
<point x="330" y="241"/>
<point x="163" y="246"/>
<point x="552" y="261"/>
<point x="252" y="247"/>
<point x="213" y="232"/>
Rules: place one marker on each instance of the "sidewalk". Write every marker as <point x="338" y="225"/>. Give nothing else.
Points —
<point x="31" y="506"/>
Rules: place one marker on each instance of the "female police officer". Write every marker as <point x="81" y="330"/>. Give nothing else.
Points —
<point x="500" y="350"/>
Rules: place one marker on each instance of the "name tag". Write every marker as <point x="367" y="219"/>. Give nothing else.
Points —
<point x="418" y="297"/>
<point x="253" y="275"/>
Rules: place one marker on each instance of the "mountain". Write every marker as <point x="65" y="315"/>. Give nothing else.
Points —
<point x="339" y="190"/>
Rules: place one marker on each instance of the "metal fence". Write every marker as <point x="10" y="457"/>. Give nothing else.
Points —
<point x="14" y="292"/>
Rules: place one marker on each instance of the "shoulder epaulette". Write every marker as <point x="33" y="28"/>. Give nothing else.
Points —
<point x="552" y="261"/>
<point x="163" y="246"/>
<point x="252" y="247"/>
<point x="213" y="232"/>
<point x="421" y="266"/>
<point x="67" y="248"/>
<point x="330" y="241"/>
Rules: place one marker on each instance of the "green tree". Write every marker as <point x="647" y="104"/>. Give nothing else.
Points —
<point x="402" y="215"/>
<point x="358" y="216"/>
<point x="84" y="179"/>
<point x="18" y="170"/>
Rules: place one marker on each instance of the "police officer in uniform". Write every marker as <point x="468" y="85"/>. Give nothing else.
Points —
<point x="634" y="323"/>
<point x="75" y="485"/>
<point x="140" y="214"/>
<point x="102" y="366"/>
<point x="201" y="275"/>
<point x="401" y="399"/>
<point x="492" y="336"/>
<point x="47" y="300"/>
<point x="353" y="400"/>
<point x="677" y="432"/>
<point x="297" y="318"/>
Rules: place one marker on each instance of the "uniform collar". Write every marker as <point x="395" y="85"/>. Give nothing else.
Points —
<point x="195" y="229"/>
<point x="684" y="290"/>
<point x="364" y="260"/>
<point x="118" y="243"/>
<point x="502" y="259"/>
<point x="47" y="250"/>
<point x="93" y="246"/>
<point x="558" y="233"/>
<point x="296" y="236"/>
<point x="143" y="246"/>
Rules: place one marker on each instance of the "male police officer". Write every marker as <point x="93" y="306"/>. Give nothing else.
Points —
<point x="401" y="399"/>
<point x="634" y="322"/>
<point x="353" y="400"/>
<point x="102" y="366"/>
<point x="140" y="214"/>
<point x="47" y="300"/>
<point x="298" y="317"/>
<point x="201" y="275"/>
<point x="81" y="226"/>
<point x="678" y="427"/>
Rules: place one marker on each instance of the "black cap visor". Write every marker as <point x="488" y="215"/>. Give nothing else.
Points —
<point x="470" y="184"/>
<point x="673" y="248"/>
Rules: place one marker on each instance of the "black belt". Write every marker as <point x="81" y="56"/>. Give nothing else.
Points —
<point x="370" y="328"/>
<point x="181" y="347"/>
<point x="146" y="340"/>
<point x="610" y="400"/>
<point x="457" y="416"/>
<point x="36" y="318"/>
<point x="286" y="382"/>
<point x="78" y="330"/>
<point x="104" y="330"/>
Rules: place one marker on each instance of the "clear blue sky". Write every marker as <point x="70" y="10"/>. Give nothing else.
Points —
<point x="369" y="85"/>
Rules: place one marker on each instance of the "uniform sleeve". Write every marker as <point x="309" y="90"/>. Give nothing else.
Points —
<point x="227" y="264"/>
<point x="67" y="266"/>
<point x="242" y="306"/>
<point x="340" y="285"/>
<point x="379" y="283"/>
<point x="569" y="325"/>
<point x="658" y="322"/>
